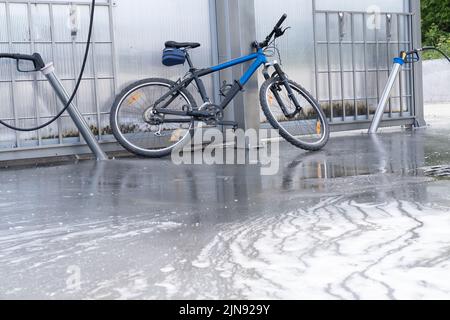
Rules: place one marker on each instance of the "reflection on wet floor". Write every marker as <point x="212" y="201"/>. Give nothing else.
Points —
<point x="357" y="220"/>
<point x="438" y="171"/>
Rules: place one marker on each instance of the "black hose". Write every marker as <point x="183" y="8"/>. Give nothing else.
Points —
<point x="77" y="85"/>
<point x="436" y="49"/>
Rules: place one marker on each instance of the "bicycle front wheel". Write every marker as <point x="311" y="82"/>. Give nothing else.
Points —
<point x="133" y="130"/>
<point x="307" y="128"/>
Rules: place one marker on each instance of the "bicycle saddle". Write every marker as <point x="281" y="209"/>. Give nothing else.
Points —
<point x="178" y="45"/>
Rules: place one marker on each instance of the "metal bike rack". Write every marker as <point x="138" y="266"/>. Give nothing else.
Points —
<point x="49" y="72"/>
<point x="398" y="63"/>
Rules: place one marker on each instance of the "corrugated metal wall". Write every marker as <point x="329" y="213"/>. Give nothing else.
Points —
<point x="297" y="45"/>
<point x="139" y="29"/>
<point x="142" y="27"/>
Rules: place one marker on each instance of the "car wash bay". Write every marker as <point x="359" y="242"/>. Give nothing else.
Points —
<point x="341" y="52"/>
<point x="360" y="219"/>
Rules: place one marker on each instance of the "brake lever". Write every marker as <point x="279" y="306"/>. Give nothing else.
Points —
<point x="280" y="32"/>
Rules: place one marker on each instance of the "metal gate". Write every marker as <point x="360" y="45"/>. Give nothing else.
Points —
<point x="353" y="53"/>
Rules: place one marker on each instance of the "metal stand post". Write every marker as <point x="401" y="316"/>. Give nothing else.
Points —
<point x="75" y="114"/>
<point x="398" y="63"/>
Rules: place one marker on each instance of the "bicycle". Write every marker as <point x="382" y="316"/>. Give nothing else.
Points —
<point x="154" y="116"/>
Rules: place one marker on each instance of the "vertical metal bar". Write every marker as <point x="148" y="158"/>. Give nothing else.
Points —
<point x="417" y="68"/>
<point x="400" y="78"/>
<point x="389" y="26"/>
<point x="53" y="46"/>
<point x="12" y="70"/>
<point x="354" y="64"/>
<point x="74" y="68"/>
<point x="316" y="69"/>
<point x="341" y="63"/>
<point x="94" y="71"/>
<point x="365" y="64"/>
<point x="112" y="37"/>
<point x="377" y="65"/>
<point x="388" y="39"/>
<point x="330" y="91"/>
<point x="412" y="82"/>
<point x="35" y="87"/>
<point x="214" y="51"/>
<point x="408" y="70"/>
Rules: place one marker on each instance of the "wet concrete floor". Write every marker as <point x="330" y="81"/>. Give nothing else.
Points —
<point x="358" y="220"/>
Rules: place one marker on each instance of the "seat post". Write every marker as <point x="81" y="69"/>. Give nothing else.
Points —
<point x="200" y="85"/>
<point x="189" y="61"/>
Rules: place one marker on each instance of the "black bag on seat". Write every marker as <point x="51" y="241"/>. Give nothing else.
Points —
<point x="173" y="57"/>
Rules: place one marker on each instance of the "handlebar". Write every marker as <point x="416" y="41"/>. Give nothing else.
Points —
<point x="35" y="58"/>
<point x="280" y="22"/>
<point x="277" y="32"/>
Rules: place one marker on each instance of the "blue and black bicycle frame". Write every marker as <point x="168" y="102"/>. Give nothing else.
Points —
<point x="259" y="59"/>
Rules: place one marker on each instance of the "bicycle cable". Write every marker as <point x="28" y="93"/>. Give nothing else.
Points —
<point x="273" y="50"/>
<point x="77" y="85"/>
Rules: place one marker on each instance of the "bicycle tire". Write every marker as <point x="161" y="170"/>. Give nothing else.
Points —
<point x="115" y="125"/>
<point x="294" y="140"/>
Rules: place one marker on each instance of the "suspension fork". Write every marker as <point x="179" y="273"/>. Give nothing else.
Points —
<point x="285" y="81"/>
<point x="274" y="90"/>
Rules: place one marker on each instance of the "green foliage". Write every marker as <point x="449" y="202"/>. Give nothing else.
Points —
<point x="435" y="12"/>
<point x="443" y="44"/>
<point x="436" y="26"/>
<point x="435" y="36"/>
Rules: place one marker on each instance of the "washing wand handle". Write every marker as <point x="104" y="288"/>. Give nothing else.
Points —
<point x="36" y="58"/>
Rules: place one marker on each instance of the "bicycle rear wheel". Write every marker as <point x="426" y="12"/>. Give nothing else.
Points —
<point x="307" y="129"/>
<point x="133" y="130"/>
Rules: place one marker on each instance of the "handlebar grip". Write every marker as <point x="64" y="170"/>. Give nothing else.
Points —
<point x="280" y="22"/>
